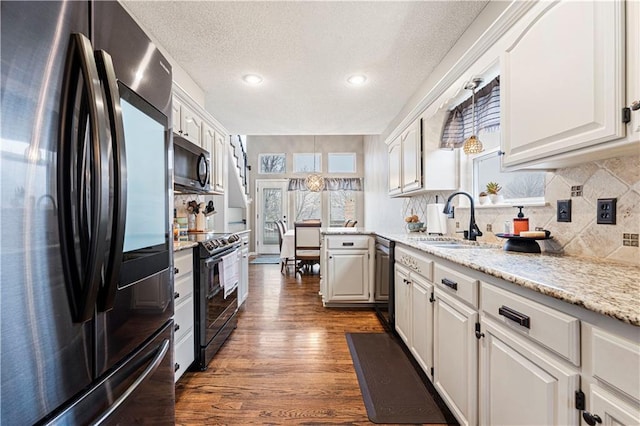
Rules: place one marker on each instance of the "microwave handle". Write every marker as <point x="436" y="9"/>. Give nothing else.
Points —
<point x="203" y="179"/>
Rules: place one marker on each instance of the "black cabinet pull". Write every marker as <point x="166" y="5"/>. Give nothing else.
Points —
<point x="176" y="295"/>
<point x="591" y="419"/>
<point x="347" y="244"/>
<point x="176" y="367"/>
<point x="450" y="284"/>
<point x="516" y="316"/>
<point x="176" y="327"/>
<point x="176" y="271"/>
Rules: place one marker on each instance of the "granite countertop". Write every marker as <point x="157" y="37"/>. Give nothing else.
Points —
<point x="183" y="245"/>
<point x="605" y="287"/>
<point x="346" y="231"/>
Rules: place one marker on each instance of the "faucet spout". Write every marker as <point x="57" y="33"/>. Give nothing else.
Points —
<point x="473" y="231"/>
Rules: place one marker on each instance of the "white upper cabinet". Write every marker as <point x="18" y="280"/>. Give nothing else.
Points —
<point x="411" y="140"/>
<point x="186" y="123"/>
<point x="395" y="167"/>
<point x="563" y="81"/>
<point x="218" y="159"/>
<point x="633" y="66"/>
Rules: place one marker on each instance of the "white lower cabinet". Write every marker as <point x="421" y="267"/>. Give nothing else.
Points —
<point x="349" y="269"/>
<point x="522" y="384"/>
<point x="422" y="322"/>
<point x="456" y="356"/>
<point x="183" y="336"/>
<point x="402" y="295"/>
<point x="611" y="377"/>
<point x="243" y="282"/>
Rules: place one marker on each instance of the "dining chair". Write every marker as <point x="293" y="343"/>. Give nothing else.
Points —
<point x="346" y="223"/>
<point x="307" y="245"/>
<point x="351" y="224"/>
<point x="284" y="263"/>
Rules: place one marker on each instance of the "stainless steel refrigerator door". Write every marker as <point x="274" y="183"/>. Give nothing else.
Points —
<point x="138" y="62"/>
<point x="46" y="357"/>
<point x="138" y="391"/>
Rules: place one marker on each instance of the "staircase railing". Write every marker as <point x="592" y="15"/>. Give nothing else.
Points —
<point x="240" y="160"/>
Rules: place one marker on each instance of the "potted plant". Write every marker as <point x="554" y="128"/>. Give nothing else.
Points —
<point x="493" y="189"/>
<point x="483" y="198"/>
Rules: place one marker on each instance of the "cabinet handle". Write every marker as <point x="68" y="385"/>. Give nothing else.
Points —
<point x="176" y="295"/>
<point x="591" y="419"/>
<point x="176" y="271"/>
<point x="186" y="134"/>
<point x="176" y="327"/>
<point x="347" y="244"/>
<point x="451" y="284"/>
<point x="514" y="315"/>
<point x="180" y="131"/>
<point x="176" y="367"/>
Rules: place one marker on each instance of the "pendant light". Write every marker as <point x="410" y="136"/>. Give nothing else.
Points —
<point x="314" y="182"/>
<point x="472" y="144"/>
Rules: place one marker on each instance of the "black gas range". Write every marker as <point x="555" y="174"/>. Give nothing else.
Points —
<point x="217" y="263"/>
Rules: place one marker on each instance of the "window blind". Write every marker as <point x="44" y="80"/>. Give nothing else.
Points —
<point x="459" y="126"/>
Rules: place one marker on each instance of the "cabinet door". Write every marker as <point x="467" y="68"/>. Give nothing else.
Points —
<point x="562" y="81"/>
<point x="633" y="66"/>
<point x="422" y="322"/>
<point x="243" y="284"/>
<point x="176" y="107"/>
<point x="456" y="357"/>
<point x="395" y="167"/>
<point x="209" y="141"/>
<point x="219" y="162"/>
<point x="349" y="275"/>
<point x="191" y="125"/>
<point x="402" y="296"/>
<point x="412" y="157"/>
<point x="381" y="292"/>
<point x="539" y="388"/>
<point x="611" y="409"/>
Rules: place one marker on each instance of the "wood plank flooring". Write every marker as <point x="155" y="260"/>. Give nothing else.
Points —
<point x="286" y="363"/>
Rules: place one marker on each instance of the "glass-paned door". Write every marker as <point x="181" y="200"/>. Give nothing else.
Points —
<point x="342" y="207"/>
<point x="272" y="205"/>
<point x="308" y="206"/>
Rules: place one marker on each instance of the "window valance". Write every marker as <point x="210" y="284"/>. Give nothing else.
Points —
<point x="459" y="126"/>
<point x="330" y="184"/>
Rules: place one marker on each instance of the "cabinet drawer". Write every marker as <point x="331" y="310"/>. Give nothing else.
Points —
<point x="182" y="288"/>
<point x="556" y="331"/>
<point x="182" y="263"/>
<point x="183" y="319"/>
<point x="456" y="283"/>
<point x="183" y="355"/>
<point x="348" y="242"/>
<point x="416" y="262"/>
<point x="616" y="361"/>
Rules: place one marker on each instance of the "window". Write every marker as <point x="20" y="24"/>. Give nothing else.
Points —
<point x="342" y="206"/>
<point x="516" y="186"/>
<point x="307" y="205"/>
<point x="305" y="163"/>
<point x="272" y="163"/>
<point x="342" y="162"/>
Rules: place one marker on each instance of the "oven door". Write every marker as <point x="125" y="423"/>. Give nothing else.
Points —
<point x="216" y="308"/>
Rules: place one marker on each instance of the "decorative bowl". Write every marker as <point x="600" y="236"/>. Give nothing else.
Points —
<point x="415" y="226"/>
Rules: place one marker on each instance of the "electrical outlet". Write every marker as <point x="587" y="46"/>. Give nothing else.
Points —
<point x="457" y="225"/>
<point x="563" y="211"/>
<point x="606" y="212"/>
<point x="489" y="227"/>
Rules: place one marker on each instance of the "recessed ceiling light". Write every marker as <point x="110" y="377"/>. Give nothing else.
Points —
<point x="357" y="79"/>
<point x="252" y="79"/>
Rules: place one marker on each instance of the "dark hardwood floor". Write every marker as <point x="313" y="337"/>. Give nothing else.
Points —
<point x="286" y="363"/>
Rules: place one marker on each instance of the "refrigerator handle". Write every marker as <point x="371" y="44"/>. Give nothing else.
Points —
<point x="162" y="351"/>
<point x="107" y="74"/>
<point x="82" y="227"/>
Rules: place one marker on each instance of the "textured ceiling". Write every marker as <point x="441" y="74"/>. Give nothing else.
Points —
<point x="305" y="51"/>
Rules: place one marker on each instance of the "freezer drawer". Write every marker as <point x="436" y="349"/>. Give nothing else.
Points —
<point x="123" y="396"/>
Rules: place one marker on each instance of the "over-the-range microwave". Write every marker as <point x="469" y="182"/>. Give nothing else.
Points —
<point x="191" y="167"/>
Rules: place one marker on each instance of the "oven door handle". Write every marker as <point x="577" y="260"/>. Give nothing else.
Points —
<point x="211" y="296"/>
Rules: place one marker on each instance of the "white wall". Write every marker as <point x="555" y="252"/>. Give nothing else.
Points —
<point x="380" y="211"/>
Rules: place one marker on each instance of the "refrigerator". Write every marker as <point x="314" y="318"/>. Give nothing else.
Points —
<point x="86" y="287"/>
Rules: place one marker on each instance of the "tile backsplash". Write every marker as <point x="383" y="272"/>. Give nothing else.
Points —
<point x="613" y="178"/>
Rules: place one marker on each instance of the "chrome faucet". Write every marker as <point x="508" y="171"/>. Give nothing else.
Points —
<point x="473" y="231"/>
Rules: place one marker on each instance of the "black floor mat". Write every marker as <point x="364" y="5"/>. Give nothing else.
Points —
<point x="391" y="388"/>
